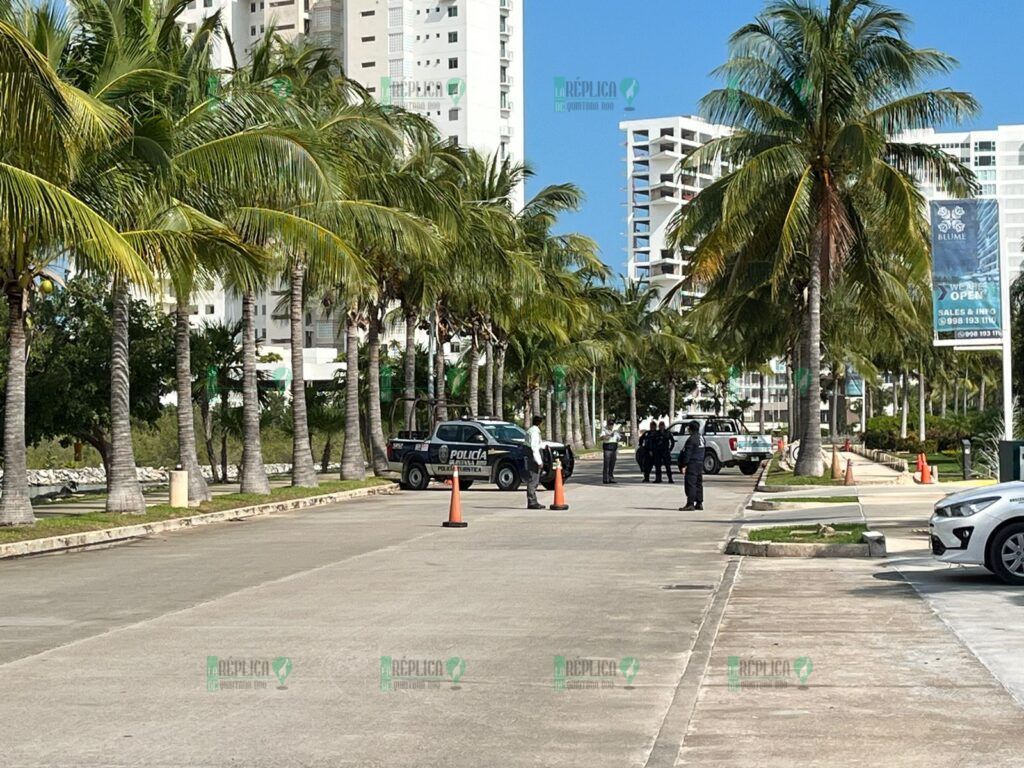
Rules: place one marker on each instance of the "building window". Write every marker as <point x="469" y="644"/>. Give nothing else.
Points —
<point x="369" y="39"/>
<point x="984" y="160"/>
<point x="453" y="63"/>
<point x="453" y="140"/>
<point x="367" y="13"/>
<point x="210" y="309"/>
<point x="453" y="89"/>
<point x="252" y="31"/>
<point x="453" y="11"/>
<point x="252" y="7"/>
<point x="453" y="37"/>
<point x="984" y="146"/>
<point x="453" y="114"/>
<point x="368" y="64"/>
<point x="207" y="3"/>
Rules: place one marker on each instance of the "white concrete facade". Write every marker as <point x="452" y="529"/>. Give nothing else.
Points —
<point x="657" y="188"/>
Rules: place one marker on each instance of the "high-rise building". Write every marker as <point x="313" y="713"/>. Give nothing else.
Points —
<point x="997" y="159"/>
<point x="458" y="63"/>
<point x="657" y="188"/>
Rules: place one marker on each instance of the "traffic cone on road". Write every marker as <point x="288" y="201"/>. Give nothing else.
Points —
<point x="837" y="467"/>
<point x="849" y="473"/>
<point x="926" y="474"/>
<point x="559" y="504"/>
<point x="455" y="506"/>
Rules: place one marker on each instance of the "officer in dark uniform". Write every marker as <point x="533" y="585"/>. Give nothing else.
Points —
<point x="691" y="460"/>
<point x="663" y="443"/>
<point x="644" y="453"/>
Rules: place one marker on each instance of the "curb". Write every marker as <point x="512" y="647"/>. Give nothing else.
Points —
<point x="762" y="505"/>
<point x="873" y="546"/>
<point x="74" y="541"/>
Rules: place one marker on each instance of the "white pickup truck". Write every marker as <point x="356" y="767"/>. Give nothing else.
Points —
<point x="728" y="443"/>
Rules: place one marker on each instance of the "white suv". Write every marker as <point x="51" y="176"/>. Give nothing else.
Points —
<point x="984" y="526"/>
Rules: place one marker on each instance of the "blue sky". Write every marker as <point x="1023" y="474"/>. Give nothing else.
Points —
<point x="671" y="47"/>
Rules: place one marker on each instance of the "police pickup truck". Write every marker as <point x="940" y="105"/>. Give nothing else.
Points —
<point x="728" y="443"/>
<point x="483" y="449"/>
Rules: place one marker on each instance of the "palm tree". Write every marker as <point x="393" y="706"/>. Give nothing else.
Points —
<point x="821" y="183"/>
<point x="48" y="130"/>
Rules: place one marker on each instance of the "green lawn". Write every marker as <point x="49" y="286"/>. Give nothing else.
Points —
<point x="948" y="463"/>
<point x="779" y="476"/>
<point x="817" y="500"/>
<point x="96" y="521"/>
<point x="846" y="533"/>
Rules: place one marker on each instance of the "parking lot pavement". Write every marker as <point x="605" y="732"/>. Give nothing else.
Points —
<point x="105" y="654"/>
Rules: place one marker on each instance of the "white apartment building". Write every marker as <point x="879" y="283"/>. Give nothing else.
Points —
<point x="997" y="159"/>
<point x="457" y="62"/>
<point x="657" y="188"/>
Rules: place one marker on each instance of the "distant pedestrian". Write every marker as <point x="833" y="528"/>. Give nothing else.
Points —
<point x="663" y="443"/>
<point x="691" y="460"/>
<point x="535" y="461"/>
<point x="610" y="437"/>
<point x="645" y="454"/>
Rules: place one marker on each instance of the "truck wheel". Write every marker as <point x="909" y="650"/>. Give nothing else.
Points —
<point x="712" y="466"/>
<point x="416" y="476"/>
<point x="507" y="477"/>
<point x="750" y="467"/>
<point x="1006" y="554"/>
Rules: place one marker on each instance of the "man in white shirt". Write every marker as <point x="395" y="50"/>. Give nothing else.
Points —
<point x="535" y="461"/>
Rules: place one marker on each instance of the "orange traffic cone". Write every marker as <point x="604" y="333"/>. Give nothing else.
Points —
<point x="849" y="473"/>
<point x="920" y="463"/>
<point x="926" y="474"/>
<point x="455" y="507"/>
<point x="559" y="504"/>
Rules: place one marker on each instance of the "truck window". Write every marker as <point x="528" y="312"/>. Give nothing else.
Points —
<point x="473" y="435"/>
<point x="449" y="433"/>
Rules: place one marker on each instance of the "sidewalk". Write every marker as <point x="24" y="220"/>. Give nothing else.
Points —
<point x="889" y="683"/>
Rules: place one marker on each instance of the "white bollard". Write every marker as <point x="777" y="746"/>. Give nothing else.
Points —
<point x="179" y="488"/>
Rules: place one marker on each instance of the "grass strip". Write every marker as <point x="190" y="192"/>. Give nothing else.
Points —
<point x="846" y="533"/>
<point x="63" y="525"/>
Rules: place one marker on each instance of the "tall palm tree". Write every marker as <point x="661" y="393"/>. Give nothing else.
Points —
<point x="48" y="131"/>
<point x="821" y="182"/>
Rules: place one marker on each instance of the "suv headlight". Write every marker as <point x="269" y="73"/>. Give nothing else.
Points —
<point x="966" y="508"/>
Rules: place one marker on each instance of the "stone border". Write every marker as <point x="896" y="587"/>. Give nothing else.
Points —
<point x="75" y="541"/>
<point x="873" y="546"/>
<point x="763" y="505"/>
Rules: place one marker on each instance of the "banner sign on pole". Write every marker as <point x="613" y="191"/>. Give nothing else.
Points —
<point x="966" y="287"/>
<point x="854" y="383"/>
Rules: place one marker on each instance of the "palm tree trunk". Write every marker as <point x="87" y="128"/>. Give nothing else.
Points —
<point x="206" y="417"/>
<point x="499" y="382"/>
<point x="547" y="414"/>
<point x="378" y="443"/>
<point x="760" y="395"/>
<point x="981" y="394"/>
<point x="325" y="457"/>
<point x="253" y="476"/>
<point x="474" y="376"/>
<point x="224" y="435"/>
<point x="441" y="385"/>
<point x="303" y="470"/>
<point x="790" y="399"/>
<point x="556" y="420"/>
<point x="15" y="508"/>
<point x="922" y="430"/>
<point x="353" y="461"/>
<point x="604" y="419"/>
<point x="588" y="434"/>
<point x="904" y="404"/>
<point x="577" y="425"/>
<point x="535" y="399"/>
<point x="198" y="491"/>
<point x="634" y="423"/>
<point x="671" y="400"/>
<point x="568" y="414"/>
<point x="809" y="462"/>
<point x="943" y="403"/>
<point x="489" y="380"/>
<point x="833" y="416"/>
<point x="124" y="493"/>
<point x="411" y="322"/>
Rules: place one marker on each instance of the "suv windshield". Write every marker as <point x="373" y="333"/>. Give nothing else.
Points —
<point x="505" y="433"/>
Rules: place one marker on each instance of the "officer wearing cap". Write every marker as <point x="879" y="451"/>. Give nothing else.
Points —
<point x="691" y="462"/>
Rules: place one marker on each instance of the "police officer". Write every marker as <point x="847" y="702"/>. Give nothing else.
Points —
<point x="645" y="453"/>
<point x="663" y="452"/>
<point x="609" y="449"/>
<point x="691" y="462"/>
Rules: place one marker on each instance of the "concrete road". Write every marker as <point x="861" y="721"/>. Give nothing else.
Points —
<point x="104" y="654"/>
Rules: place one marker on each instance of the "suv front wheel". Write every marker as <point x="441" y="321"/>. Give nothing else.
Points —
<point x="1006" y="554"/>
<point x="712" y="466"/>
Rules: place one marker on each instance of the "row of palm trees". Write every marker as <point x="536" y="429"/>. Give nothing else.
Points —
<point x="124" y="153"/>
<point x="815" y="249"/>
